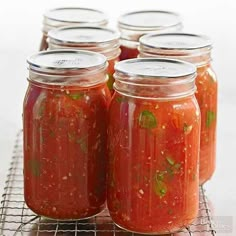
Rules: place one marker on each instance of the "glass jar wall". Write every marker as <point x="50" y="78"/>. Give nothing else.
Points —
<point x="197" y="50"/>
<point x="64" y="120"/>
<point x="153" y="140"/>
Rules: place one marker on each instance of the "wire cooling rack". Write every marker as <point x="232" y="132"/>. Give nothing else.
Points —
<point x="16" y="219"/>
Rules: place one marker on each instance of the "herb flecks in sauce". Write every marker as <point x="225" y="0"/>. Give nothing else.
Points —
<point x="110" y="81"/>
<point x="211" y="116"/>
<point x="187" y="128"/>
<point x="75" y="96"/>
<point x="170" y="160"/>
<point x="147" y="120"/>
<point x="83" y="144"/>
<point x="34" y="166"/>
<point x="160" y="187"/>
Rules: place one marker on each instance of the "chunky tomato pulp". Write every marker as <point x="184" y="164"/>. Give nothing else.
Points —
<point x="65" y="150"/>
<point x="207" y="99"/>
<point x="153" y="163"/>
<point x="110" y="71"/>
<point x="128" y="53"/>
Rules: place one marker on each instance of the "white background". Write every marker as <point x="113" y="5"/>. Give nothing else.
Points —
<point x="20" y="33"/>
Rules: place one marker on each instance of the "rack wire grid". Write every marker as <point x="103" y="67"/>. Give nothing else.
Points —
<point x="17" y="219"/>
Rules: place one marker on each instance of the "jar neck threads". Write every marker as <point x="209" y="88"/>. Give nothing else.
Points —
<point x="67" y="68"/>
<point x="160" y="79"/>
<point x="100" y="40"/>
<point x="199" y="57"/>
<point x="192" y="48"/>
<point x="155" y="92"/>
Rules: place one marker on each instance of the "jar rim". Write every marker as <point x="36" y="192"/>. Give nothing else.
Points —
<point x="50" y="15"/>
<point x="175" y="41"/>
<point x="65" y="60"/>
<point x="124" y="21"/>
<point x="161" y="68"/>
<point x="86" y="36"/>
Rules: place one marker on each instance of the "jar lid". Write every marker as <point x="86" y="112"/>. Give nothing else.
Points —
<point x="153" y="67"/>
<point x="73" y="15"/>
<point x="59" y="61"/>
<point x="83" y="35"/>
<point x="175" y="41"/>
<point x="149" y="20"/>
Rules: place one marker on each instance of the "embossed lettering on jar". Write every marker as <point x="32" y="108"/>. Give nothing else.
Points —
<point x="64" y="118"/>
<point x="153" y="140"/>
<point x="197" y="50"/>
<point x="101" y="40"/>
<point x="70" y="16"/>
<point x="133" y="25"/>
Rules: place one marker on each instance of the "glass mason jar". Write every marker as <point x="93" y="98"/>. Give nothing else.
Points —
<point x="197" y="50"/>
<point x="135" y="24"/>
<point x="104" y="41"/>
<point x="153" y="141"/>
<point x="70" y="16"/>
<point x="65" y="129"/>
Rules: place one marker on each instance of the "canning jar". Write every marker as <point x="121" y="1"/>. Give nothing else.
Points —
<point x="133" y="25"/>
<point x="153" y="140"/>
<point x="95" y="39"/>
<point x="65" y="128"/>
<point x="197" y="50"/>
<point x="70" y="16"/>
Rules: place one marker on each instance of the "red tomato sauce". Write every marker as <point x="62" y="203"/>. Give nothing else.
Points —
<point x="128" y="53"/>
<point x="65" y="150"/>
<point x="207" y="99"/>
<point x="153" y="163"/>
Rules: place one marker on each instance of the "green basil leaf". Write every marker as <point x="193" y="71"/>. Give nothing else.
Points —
<point x="84" y="147"/>
<point x="170" y="171"/>
<point x="211" y="116"/>
<point x="75" y="96"/>
<point x="177" y="166"/>
<point x="110" y="81"/>
<point x="34" y="166"/>
<point x="147" y="120"/>
<point x="83" y="144"/>
<point x="71" y="136"/>
<point x="80" y="140"/>
<point x="187" y="128"/>
<point x="160" y="188"/>
<point x="170" y="160"/>
<point x="160" y="176"/>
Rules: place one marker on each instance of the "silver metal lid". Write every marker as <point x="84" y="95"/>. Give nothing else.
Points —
<point x="152" y="67"/>
<point x="149" y="20"/>
<point x="175" y="41"/>
<point x="66" y="60"/>
<point x="83" y="35"/>
<point x="73" y="16"/>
